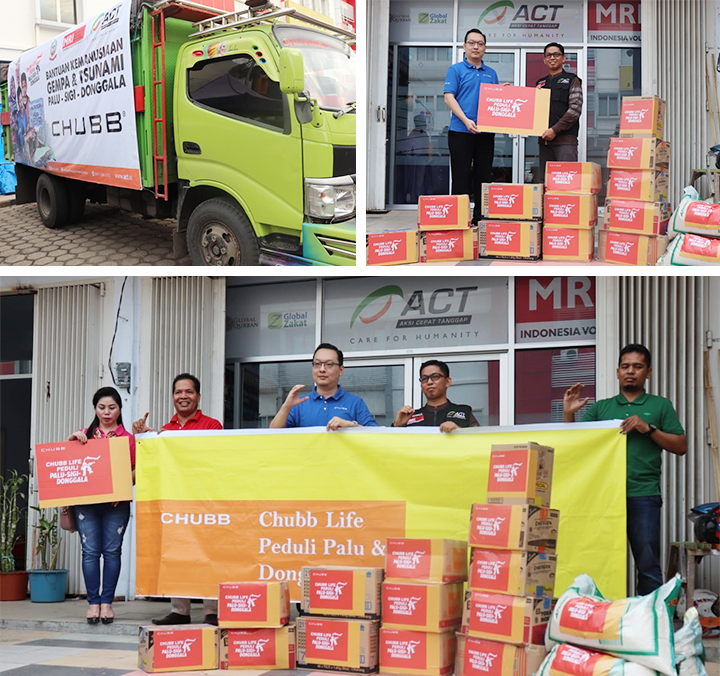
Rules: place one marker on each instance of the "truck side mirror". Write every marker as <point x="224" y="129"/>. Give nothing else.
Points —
<point x="292" y="71"/>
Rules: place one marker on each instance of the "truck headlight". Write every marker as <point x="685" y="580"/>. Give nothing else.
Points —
<point x="330" y="198"/>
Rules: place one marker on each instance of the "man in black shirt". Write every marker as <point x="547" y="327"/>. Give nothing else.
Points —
<point x="438" y="410"/>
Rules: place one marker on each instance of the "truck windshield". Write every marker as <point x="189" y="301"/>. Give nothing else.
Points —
<point x="329" y="65"/>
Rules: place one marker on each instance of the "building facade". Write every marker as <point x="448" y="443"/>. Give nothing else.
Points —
<point x="514" y="344"/>
<point x="618" y="48"/>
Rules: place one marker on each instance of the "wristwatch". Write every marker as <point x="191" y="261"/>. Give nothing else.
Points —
<point x="652" y="429"/>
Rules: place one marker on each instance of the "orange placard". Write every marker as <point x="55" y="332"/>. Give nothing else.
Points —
<point x="71" y="473"/>
<point x="513" y="110"/>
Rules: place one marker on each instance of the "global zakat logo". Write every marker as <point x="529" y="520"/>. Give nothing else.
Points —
<point x="287" y="320"/>
<point x="432" y="18"/>
<point x="481" y="661"/>
<point x="251" y="647"/>
<point x="401" y="650"/>
<point x="496" y="12"/>
<point x="385" y="291"/>
<point x="53" y="50"/>
<point x="330" y="591"/>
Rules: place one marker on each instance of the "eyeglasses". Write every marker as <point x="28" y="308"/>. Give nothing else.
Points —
<point x="326" y="364"/>
<point x="433" y="376"/>
<point x="554" y="55"/>
<point x="472" y="43"/>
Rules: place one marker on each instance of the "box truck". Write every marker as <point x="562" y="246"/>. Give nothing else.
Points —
<point x="240" y="126"/>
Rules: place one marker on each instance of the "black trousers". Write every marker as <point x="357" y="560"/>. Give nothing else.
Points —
<point x="471" y="160"/>
<point x="559" y="153"/>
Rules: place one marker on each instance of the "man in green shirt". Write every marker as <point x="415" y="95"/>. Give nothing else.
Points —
<point x="651" y="424"/>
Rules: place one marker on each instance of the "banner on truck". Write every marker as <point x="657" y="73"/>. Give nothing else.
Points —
<point x="71" y="473"/>
<point x="71" y="101"/>
<point x="258" y="504"/>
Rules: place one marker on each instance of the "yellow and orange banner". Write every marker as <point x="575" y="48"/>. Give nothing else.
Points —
<point x="71" y="473"/>
<point x="259" y="504"/>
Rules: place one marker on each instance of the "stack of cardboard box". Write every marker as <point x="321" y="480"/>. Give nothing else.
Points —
<point x="636" y="208"/>
<point x="339" y="627"/>
<point x="511" y="227"/>
<point x="513" y="539"/>
<point x="570" y="210"/>
<point x="446" y="232"/>
<point x="253" y="626"/>
<point x="422" y="605"/>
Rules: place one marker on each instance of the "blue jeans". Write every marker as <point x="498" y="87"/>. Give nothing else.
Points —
<point x="643" y="529"/>
<point x="101" y="529"/>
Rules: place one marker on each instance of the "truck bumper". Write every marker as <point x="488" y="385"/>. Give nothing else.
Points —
<point x="323" y="244"/>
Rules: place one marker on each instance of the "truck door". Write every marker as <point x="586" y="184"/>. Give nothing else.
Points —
<point x="235" y="130"/>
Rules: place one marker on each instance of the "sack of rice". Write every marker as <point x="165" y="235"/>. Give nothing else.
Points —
<point x="638" y="629"/>
<point x="689" y="648"/>
<point x="695" y="216"/>
<point x="570" y="660"/>
<point x="692" y="249"/>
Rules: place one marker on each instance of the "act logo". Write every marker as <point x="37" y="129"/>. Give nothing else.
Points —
<point x="388" y="291"/>
<point x="496" y="12"/>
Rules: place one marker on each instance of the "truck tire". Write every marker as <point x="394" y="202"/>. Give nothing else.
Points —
<point x="76" y="203"/>
<point x="52" y="201"/>
<point x="219" y="233"/>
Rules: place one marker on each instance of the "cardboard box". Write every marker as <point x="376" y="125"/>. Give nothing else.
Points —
<point x="512" y="572"/>
<point x="577" y="178"/>
<point x="520" y="474"/>
<point x="514" y="240"/>
<point x="626" y="249"/>
<point x="338" y="645"/>
<point x="416" y="652"/>
<point x="444" y="212"/>
<point x="508" y="619"/>
<point x="644" y="185"/>
<point x="253" y="604"/>
<point x="341" y="591"/>
<point x="480" y="657"/>
<point x="422" y="607"/>
<point x="448" y="245"/>
<point x="392" y="247"/>
<point x="181" y="647"/>
<point x="638" y="153"/>
<point x="512" y="201"/>
<point x="568" y="244"/>
<point x="642" y="117"/>
<point x="425" y="560"/>
<point x="640" y="218"/>
<point x="570" y="211"/>
<point x="519" y="527"/>
<point x="262" y="648"/>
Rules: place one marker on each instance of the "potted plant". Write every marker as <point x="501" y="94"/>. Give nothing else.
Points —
<point x="47" y="584"/>
<point x="13" y="583"/>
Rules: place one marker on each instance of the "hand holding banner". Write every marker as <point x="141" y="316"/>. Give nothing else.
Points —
<point x="513" y="110"/>
<point x="71" y="473"/>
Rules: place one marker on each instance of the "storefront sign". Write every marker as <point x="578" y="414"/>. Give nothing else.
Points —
<point x="614" y="22"/>
<point x="260" y="504"/>
<point x="71" y="473"/>
<point x="516" y="22"/>
<point x="513" y="110"/>
<point x="270" y="320"/>
<point x="549" y="309"/>
<point x="420" y="21"/>
<point x="377" y="314"/>
<point x="72" y="105"/>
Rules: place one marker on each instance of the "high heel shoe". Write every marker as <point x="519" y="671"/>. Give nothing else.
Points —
<point x="91" y="617"/>
<point x="105" y="618"/>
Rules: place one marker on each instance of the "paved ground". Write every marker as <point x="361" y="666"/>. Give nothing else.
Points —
<point x="106" y="236"/>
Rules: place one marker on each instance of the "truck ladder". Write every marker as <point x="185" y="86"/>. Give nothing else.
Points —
<point x="233" y="20"/>
<point x="158" y="100"/>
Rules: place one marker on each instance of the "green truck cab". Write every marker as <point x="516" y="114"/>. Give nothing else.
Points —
<point x="246" y="136"/>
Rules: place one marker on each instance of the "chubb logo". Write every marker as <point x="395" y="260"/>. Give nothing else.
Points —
<point x="388" y="291"/>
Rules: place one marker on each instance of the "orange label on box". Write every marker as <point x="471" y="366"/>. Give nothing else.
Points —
<point x="490" y="525"/>
<point x="385" y="248"/>
<point x="408" y="558"/>
<point x="636" y="217"/>
<point x="403" y="649"/>
<point x="331" y="590"/>
<point x="491" y="569"/>
<point x="504" y="238"/>
<point x="642" y="115"/>
<point x="404" y="604"/>
<point x="326" y="640"/>
<point x="568" y="244"/>
<point x="71" y="473"/>
<point x="494" y="614"/>
<point x="443" y="212"/>
<point x="251" y="647"/>
<point x="513" y="110"/>
<point x="638" y="184"/>
<point x="573" y="177"/>
<point x="506" y="199"/>
<point x="178" y="648"/>
<point x="622" y="248"/>
<point x="508" y="472"/>
<point x="570" y="211"/>
<point x="243" y="602"/>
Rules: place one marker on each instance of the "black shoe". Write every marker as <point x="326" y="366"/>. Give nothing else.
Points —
<point x="210" y="619"/>
<point x="173" y="618"/>
<point x="93" y="620"/>
<point x="107" y="620"/>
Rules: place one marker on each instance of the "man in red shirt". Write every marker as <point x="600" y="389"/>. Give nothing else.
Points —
<point x="186" y="399"/>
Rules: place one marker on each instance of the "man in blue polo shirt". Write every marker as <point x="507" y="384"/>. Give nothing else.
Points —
<point x="651" y="425"/>
<point x="471" y="151"/>
<point x="328" y="404"/>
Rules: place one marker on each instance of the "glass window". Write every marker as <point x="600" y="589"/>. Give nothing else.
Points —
<point x="541" y="378"/>
<point x="64" y="11"/>
<point x="420" y="21"/>
<point x="611" y="75"/>
<point x="16" y="334"/>
<point x="238" y="86"/>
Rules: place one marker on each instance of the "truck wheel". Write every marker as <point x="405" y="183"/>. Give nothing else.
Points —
<point x="76" y="203"/>
<point x="52" y="201"/>
<point x="219" y="233"/>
